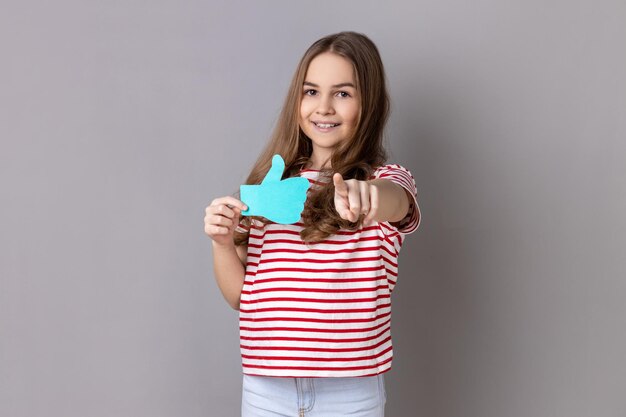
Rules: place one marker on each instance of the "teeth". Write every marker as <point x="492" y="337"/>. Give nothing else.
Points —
<point x="325" y="125"/>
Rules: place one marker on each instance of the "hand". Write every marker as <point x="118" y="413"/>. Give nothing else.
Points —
<point x="280" y="201"/>
<point x="354" y="198"/>
<point x="221" y="219"/>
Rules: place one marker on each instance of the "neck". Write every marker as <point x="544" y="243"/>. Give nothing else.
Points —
<point x="318" y="161"/>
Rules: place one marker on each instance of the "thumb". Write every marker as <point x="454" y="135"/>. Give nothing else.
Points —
<point x="276" y="171"/>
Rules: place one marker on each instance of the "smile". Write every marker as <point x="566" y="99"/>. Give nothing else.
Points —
<point x="326" y="125"/>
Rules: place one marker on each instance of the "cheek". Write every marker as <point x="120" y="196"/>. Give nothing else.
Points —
<point x="303" y="116"/>
<point x="352" y="115"/>
<point x="305" y="108"/>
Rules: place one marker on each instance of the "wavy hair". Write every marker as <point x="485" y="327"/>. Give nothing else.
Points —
<point x="355" y="158"/>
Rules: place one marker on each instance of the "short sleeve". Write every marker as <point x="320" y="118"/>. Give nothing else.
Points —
<point x="402" y="176"/>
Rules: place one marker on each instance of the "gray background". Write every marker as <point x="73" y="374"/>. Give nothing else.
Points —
<point x="121" y="120"/>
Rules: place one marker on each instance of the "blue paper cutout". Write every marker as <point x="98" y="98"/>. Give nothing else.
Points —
<point x="280" y="201"/>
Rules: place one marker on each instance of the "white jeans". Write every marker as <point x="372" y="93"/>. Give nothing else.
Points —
<point x="313" y="397"/>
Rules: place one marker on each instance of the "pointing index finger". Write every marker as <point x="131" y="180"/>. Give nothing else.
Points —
<point x="340" y="184"/>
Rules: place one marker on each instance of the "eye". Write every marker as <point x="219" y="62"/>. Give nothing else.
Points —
<point x="343" y="94"/>
<point x="309" y="92"/>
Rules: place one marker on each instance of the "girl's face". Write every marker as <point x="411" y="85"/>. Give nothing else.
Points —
<point x="330" y="106"/>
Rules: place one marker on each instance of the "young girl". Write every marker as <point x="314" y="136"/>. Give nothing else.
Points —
<point x="314" y="297"/>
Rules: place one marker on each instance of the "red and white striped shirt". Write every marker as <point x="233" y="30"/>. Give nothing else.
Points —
<point x="323" y="309"/>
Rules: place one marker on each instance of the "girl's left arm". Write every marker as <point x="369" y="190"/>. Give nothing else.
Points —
<point x="380" y="200"/>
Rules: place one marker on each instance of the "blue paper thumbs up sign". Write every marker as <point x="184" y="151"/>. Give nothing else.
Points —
<point x="280" y="201"/>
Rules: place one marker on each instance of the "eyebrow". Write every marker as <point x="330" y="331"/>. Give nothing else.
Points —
<point x="334" y="86"/>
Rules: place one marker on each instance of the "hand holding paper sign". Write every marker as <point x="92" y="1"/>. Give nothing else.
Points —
<point x="280" y="201"/>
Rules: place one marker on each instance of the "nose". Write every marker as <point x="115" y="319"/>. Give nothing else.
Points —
<point x="325" y="106"/>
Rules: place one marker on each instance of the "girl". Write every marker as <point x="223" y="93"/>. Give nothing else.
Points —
<point x="314" y="297"/>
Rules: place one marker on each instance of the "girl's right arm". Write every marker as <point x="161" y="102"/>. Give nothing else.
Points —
<point x="229" y="260"/>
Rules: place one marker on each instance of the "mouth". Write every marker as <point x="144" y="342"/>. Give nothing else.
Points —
<point x="325" y="125"/>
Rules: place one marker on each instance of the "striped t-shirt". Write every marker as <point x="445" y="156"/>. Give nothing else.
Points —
<point x="323" y="309"/>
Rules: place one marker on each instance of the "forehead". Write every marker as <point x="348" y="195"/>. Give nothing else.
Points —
<point x="329" y="68"/>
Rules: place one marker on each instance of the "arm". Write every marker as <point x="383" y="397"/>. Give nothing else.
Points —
<point x="229" y="267"/>
<point x="229" y="261"/>
<point x="379" y="200"/>
<point x="393" y="201"/>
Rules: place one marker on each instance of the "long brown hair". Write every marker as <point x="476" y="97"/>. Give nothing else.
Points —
<point x="355" y="158"/>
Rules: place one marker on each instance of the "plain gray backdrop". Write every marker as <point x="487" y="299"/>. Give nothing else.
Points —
<point x="121" y="120"/>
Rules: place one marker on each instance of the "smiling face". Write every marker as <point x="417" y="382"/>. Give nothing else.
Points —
<point x="330" y="105"/>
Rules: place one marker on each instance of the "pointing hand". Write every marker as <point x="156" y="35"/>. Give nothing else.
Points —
<point x="354" y="198"/>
